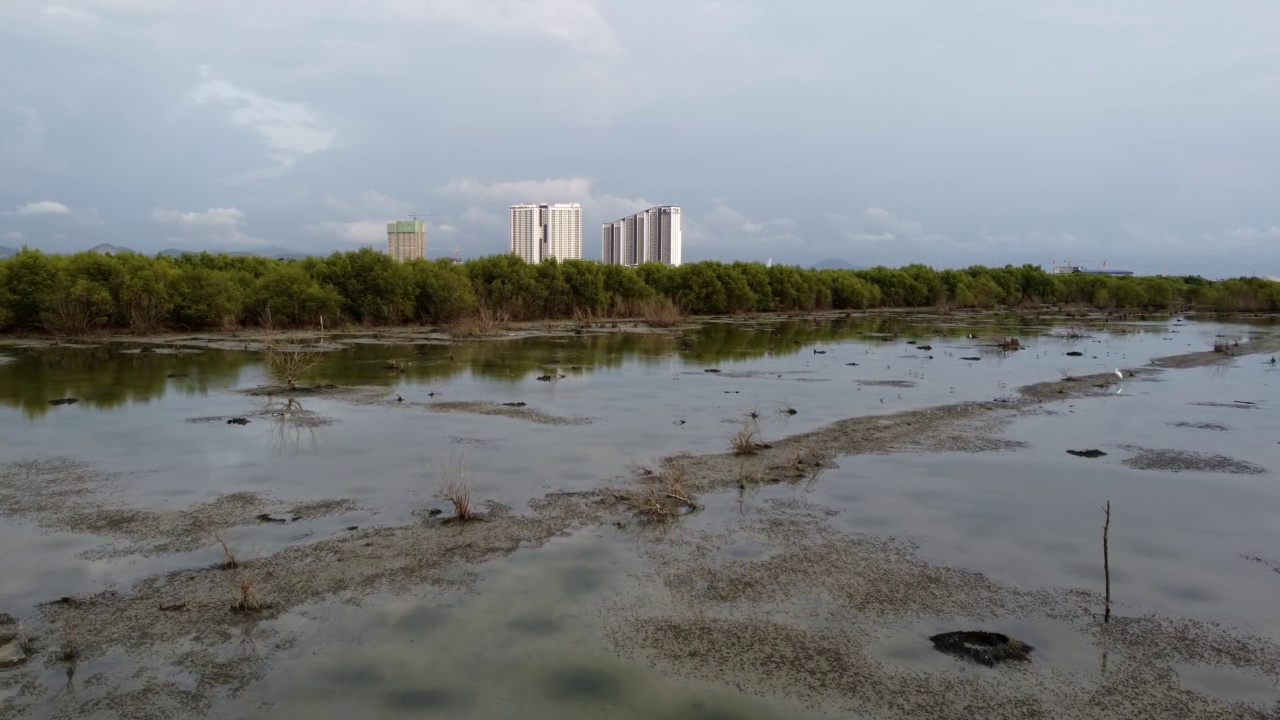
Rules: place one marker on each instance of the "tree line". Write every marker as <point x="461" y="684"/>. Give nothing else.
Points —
<point x="87" y="291"/>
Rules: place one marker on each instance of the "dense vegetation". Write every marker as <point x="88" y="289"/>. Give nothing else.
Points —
<point x="83" y="292"/>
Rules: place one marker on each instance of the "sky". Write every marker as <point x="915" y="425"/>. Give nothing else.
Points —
<point x="1139" y="132"/>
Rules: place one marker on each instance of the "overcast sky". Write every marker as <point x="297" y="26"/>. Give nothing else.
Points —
<point x="876" y="131"/>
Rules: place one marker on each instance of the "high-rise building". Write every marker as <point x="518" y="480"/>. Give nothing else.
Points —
<point x="651" y="235"/>
<point x="611" y="242"/>
<point x="539" y="232"/>
<point x="407" y="240"/>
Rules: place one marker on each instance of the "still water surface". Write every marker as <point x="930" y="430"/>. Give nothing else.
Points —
<point x="525" y="643"/>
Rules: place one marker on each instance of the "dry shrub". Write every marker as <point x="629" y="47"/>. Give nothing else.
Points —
<point x="289" y="365"/>
<point x="456" y="488"/>
<point x="484" y="321"/>
<point x="229" y="561"/>
<point x="660" y="312"/>
<point x="658" y="496"/>
<point x="70" y="316"/>
<point x="806" y="463"/>
<point x="246" y="598"/>
<point x="144" y="314"/>
<point x="1011" y="343"/>
<point x="70" y="650"/>
<point x="746" y="441"/>
<point x="657" y="311"/>
<point x="230" y="325"/>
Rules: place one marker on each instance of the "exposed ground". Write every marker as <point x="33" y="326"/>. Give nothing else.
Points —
<point x="803" y="622"/>
<point x="707" y="618"/>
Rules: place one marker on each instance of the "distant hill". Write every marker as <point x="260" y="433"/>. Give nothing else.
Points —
<point x="7" y="251"/>
<point x="271" y="252"/>
<point x="835" y="264"/>
<point x="108" y="249"/>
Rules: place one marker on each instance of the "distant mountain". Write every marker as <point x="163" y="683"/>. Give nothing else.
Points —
<point x="834" y="264"/>
<point x="7" y="251"/>
<point x="271" y="252"/>
<point x="108" y="249"/>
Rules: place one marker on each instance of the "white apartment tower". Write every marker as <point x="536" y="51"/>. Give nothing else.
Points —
<point x="407" y="240"/>
<point x="651" y="235"/>
<point x="539" y="232"/>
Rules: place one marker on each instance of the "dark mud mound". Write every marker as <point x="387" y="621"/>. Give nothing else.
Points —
<point x="984" y="648"/>
<point x="1201" y="426"/>
<point x="1183" y="461"/>
<point x="1091" y="454"/>
<point x="886" y="383"/>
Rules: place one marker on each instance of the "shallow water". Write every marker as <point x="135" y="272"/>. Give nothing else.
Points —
<point x="529" y="625"/>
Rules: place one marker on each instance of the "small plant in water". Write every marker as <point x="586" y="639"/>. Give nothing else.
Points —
<point x="746" y="441"/>
<point x="290" y="364"/>
<point x="456" y="488"/>
<point x="246" y="596"/>
<point x="229" y="561"/>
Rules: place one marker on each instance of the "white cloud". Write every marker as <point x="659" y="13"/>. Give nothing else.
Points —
<point x="290" y="130"/>
<point x="599" y="207"/>
<point x="446" y="229"/>
<point x="14" y="235"/>
<point x="878" y="225"/>
<point x="726" y="229"/>
<point x="43" y="207"/>
<point x="364" y="232"/>
<point x="216" y="225"/>
<point x="1252" y="233"/>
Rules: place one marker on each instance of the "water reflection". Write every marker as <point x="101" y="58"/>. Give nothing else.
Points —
<point x="112" y="375"/>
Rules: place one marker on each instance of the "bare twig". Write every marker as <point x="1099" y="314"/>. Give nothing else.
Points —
<point x="1106" y="564"/>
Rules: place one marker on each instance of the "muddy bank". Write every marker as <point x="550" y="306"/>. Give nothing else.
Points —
<point x="256" y="339"/>
<point x="70" y="495"/>
<point x="517" y="411"/>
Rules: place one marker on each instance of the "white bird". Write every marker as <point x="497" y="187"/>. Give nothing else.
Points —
<point x="1119" y="374"/>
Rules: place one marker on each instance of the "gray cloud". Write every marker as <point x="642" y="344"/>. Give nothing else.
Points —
<point x="988" y="131"/>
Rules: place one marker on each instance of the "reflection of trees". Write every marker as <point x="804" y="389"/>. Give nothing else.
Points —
<point x="104" y="377"/>
<point x="491" y="359"/>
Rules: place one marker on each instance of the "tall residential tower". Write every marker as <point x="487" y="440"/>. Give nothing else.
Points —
<point x="539" y="232"/>
<point x="651" y="235"/>
<point x="407" y="240"/>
